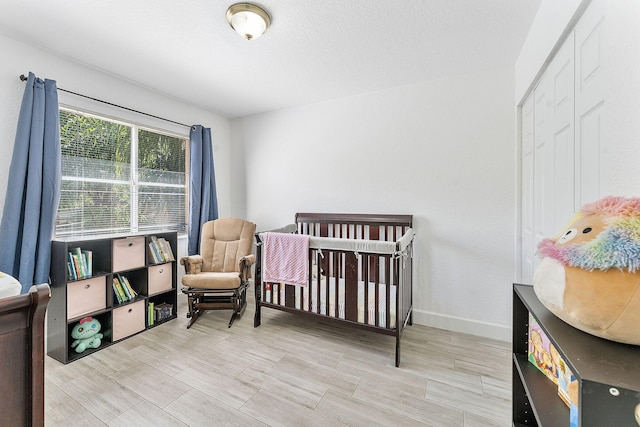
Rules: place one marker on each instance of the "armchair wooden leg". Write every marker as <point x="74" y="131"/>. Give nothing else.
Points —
<point x="233" y="317"/>
<point x="243" y="307"/>
<point x="243" y="301"/>
<point x="193" y="319"/>
<point x="193" y="312"/>
<point x="239" y="305"/>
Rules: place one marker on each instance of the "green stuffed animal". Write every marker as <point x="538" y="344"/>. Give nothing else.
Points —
<point x="86" y="334"/>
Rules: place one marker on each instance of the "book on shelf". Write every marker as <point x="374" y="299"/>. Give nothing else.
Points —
<point x="82" y="266"/>
<point x="69" y="270"/>
<point x="88" y="259"/>
<point x="119" y="290"/>
<point x="116" y="291"/>
<point x="71" y="267"/>
<point x="166" y="249"/>
<point x="150" y="314"/>
<point x="153" y="252"/>
<point x="160" y="250"/>
<point x="127" y="294"/>
<point x="156" y="249"/>
<point x="129" y="287"/>
<point x="80" y="263"/>
<point x="123" y="288"/>
<point x="77" y="266"/>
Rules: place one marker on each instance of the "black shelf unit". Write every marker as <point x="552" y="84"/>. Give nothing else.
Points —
<point x="608" y="372"/>
<point x="65" y="310"/>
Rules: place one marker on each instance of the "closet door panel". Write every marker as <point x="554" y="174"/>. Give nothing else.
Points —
<point x="589" y="104"/>
<point x="561" y="73"/>
<point x="527" y="230"/>
<point x="563" y="179"/>
<point x="553" y="157"/>
<point x="544" y="172"/>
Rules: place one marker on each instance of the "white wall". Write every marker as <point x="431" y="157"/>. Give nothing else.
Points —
<point x="19" y="58"/>
<point x="441" y="150"/>
<point x="620" y="152"/>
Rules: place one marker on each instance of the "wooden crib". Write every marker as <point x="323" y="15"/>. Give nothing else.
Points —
<point x="360" y="272"/>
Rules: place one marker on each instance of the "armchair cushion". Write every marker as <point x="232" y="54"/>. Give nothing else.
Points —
<point x="224" y="241"/>
<point x="212" y="280"/>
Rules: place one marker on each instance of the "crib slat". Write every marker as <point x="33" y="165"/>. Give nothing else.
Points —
<point x="387" y="276"/>
<point x="365" y="264"/>
<point x="336" y="293"/>
<point x="324" y="263"/>
<point x="351" y="286"/>
<point x="337" y="273"/>
<point x="376" y="291"/>
<point x="374" y="269"/>
<point x="317" y="280"/>
<point x="374" y="233"/>
<point x="290" y="296"/>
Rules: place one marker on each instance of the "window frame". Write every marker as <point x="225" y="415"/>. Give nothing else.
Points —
<point x="133" y="183"/>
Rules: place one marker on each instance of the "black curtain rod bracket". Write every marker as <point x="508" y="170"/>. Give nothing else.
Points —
<point x="24" y="79"/>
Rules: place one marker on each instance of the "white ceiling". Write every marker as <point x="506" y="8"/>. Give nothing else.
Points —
<point x="314" y="50"/>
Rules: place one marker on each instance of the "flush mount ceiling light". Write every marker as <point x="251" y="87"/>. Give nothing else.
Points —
<point x="249" y="20"/>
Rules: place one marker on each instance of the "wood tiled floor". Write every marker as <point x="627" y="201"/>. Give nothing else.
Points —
<point x="291" y="371"/>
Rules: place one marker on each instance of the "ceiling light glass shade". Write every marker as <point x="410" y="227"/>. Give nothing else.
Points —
<point x="249" y="20"/>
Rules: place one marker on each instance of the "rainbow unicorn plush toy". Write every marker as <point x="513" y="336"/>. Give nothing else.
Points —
<point x="589" y="276"/>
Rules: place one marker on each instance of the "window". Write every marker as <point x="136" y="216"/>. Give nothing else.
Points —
<point x="119" y="177"/>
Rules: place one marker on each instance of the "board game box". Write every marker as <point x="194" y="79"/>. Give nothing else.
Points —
<point x="544" y="356"/>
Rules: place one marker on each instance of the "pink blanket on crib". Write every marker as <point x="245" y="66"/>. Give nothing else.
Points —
<point x="286" y="258"/>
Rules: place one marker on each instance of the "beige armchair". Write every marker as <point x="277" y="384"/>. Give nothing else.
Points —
<point x="217" y="278"/>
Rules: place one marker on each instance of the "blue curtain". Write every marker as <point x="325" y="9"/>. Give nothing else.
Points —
<point x="33" y="189"/>
<point x="203" y="202"/>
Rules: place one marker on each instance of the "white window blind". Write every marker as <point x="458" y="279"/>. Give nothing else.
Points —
<point x="118" y="177"/>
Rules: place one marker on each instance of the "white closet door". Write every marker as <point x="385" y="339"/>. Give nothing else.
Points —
<point x="548" y="166"/>
<point x="561" y="167"/>
<point x="589" y="89"/>
<point x="561" y="191"/>
<point x="544" y="171"/>
<point x="528" y="245"/>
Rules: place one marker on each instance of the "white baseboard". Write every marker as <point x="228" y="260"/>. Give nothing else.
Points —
<point x="459" y="324"/>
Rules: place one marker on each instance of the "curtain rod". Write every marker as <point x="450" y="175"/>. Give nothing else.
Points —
<point x="23" y="78"/>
